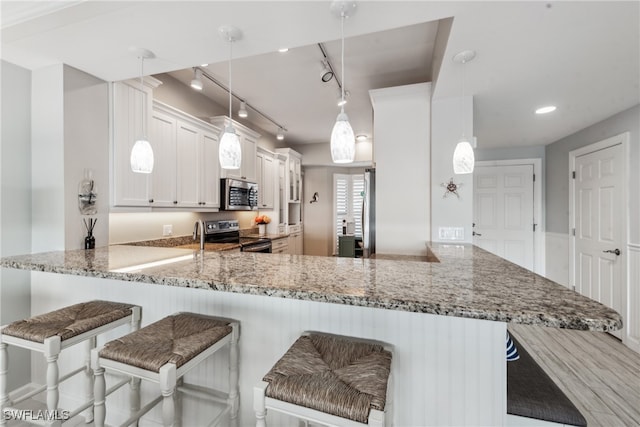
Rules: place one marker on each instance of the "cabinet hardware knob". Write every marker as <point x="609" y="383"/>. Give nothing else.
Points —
<point x="476" y="234"/>
<point x="175" y="202"/>
<point x="150" y="200"/>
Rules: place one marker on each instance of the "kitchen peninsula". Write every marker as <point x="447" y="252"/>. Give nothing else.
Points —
<point x="446" y="320"/>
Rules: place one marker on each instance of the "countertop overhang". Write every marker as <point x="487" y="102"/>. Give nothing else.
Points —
<point x="467" y="282"/>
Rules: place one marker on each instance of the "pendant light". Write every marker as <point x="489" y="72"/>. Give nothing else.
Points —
<point x="230" y="152"/>
<point x="142" y="154"/>
<point x="343" y="142"/>
<point x="463" y="157"/>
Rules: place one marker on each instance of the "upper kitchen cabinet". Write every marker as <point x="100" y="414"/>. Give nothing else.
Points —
<point x="131" y="112"/>
<point x="248" y="144"/>
<point x="292" y="185"/>
<point x="186" y="174"/>
<point x="266" y="176"/>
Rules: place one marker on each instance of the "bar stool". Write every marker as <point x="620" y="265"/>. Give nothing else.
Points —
<point x="53" y="332"/>
<point x="163" y="352"/>
<point x="331" y="380"/>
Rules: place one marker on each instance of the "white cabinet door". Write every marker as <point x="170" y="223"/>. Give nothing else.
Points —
<point x="248" y="168"/>
<point x="163" y="178"/>
<point x="129" y="188"/>
<point x="188" y="139"/>
<point x="210" y="171"/>
<point x="265" y="177"/>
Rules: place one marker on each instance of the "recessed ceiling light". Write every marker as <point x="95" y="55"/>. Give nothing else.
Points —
<point x="283" y="50"/>
<point x="204" y="65"/>
<point x="545" y="110"/>
<point x="361" y="137"/>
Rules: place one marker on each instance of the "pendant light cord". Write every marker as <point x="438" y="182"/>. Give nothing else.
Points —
<point x="142" y="95"/>
<point x="230" y="56"/>
<point x="464" y="117"/>
<point x="342" y="58"/>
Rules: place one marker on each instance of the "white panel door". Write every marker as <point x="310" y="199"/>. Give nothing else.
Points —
<point x="503" y="211"/>
<point x="599" y="211"/>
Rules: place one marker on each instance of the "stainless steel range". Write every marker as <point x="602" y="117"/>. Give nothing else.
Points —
<point x="228" y="231"/>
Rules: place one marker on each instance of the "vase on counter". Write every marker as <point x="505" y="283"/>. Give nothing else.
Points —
<point x="262" y="228"/>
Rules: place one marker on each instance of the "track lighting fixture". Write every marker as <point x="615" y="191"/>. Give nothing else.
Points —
<point x="142" y="154"/>
<point x="343" y="101"/>
<point x="280" y="135"/>
<point x="242" y="112"/>
<point x="326" y="74"/>
<point x="196" y="83"/>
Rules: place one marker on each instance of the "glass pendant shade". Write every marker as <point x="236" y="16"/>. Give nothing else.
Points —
<point x="142" y="157"/>
<point x="343" y="141"/>
<point x="230" y="152"/>
<point x="463" y="157"/>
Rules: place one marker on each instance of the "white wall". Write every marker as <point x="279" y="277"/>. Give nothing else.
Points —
<point x="448" y="116"/>
<point x="319" y="154"/>
<point x="47" y="159"/>
<point x="401" y="153"/>
<point x="86" y="145"/>
<point x="15" y="206"/>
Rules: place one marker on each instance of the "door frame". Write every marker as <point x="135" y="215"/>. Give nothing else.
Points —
<point x="538" y="235"/>
<point x="623" y="140"/>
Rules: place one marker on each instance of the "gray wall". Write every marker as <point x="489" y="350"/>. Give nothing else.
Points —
<point x="15" y="205"/>
<point x="557" y="168"/>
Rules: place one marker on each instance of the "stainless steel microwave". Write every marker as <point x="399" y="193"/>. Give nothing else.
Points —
<point x="238" y="195"/>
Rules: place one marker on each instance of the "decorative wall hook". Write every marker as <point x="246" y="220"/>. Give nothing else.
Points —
<point x="315" y="197"/>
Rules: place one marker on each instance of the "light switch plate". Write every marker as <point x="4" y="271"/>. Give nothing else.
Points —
<point x="451" y="233"/>
<point x="167" y="230"/>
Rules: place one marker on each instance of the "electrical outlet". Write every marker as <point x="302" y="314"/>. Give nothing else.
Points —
<point x="167" y="230"/>
<point x="451" y="233"/>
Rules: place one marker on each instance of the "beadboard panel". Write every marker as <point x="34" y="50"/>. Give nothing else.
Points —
<point x="557" y="258"/>
<point x="633" y="297"/>
<point x="446" y="370"/>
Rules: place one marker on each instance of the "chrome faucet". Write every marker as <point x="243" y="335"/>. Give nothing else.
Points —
<point x="199" y="224"/>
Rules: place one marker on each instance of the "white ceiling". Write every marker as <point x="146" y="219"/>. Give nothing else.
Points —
<point x="583" y="57"/>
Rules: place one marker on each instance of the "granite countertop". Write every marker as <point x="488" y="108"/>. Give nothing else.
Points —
<point x="467" y="282"/>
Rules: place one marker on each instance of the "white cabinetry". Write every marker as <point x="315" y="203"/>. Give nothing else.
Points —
<point x="248" y="144"/>
<point x="131" y="109"/>
<point x="295" y="240"/>
<point x="280" y="246"/>
<point x="265" y="176"/>
<point x="186" y="173"/>
<point x="292" y="185"/>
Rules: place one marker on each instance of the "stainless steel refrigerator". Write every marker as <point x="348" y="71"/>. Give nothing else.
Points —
<point x="369" y="214"/>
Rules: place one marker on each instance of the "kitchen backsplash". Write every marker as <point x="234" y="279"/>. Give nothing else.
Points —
<point x="136" y="227"/>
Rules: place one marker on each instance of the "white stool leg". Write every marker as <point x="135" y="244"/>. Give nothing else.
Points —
<point x="136" y="315"/>
<point x="4" y="368"/>
<point x="259" y="404"/>
<point x="90" y="344"/>
<point x="234" y="372"/>
<point x="51" y="352"/>
<point x="376" y="418"/>
<point x="168" y="388"/>
<point x="178" y="400"/>
<point x="134" y="398"/>
<point x="99" y="390"/>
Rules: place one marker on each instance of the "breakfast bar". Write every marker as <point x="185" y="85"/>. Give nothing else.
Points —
<point x="446" y="319"/>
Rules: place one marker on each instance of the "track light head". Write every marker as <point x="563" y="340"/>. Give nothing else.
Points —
<point x="196" y="83"/>
<point x="280" y="135"/>
<point x="326" y="74"/>
<point x="242" y="112"/>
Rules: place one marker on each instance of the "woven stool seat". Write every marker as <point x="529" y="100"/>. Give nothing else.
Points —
<point x="69" y="321"/>
<point x="174" y="339"/>
<point x="334" y="375"/>
<point x="164" y="352"/>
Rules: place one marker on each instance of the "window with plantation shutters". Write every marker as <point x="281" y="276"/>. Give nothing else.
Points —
<point x="348" y="193"/>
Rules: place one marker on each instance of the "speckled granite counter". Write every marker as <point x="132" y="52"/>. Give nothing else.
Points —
<point x="467" y="282"/>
